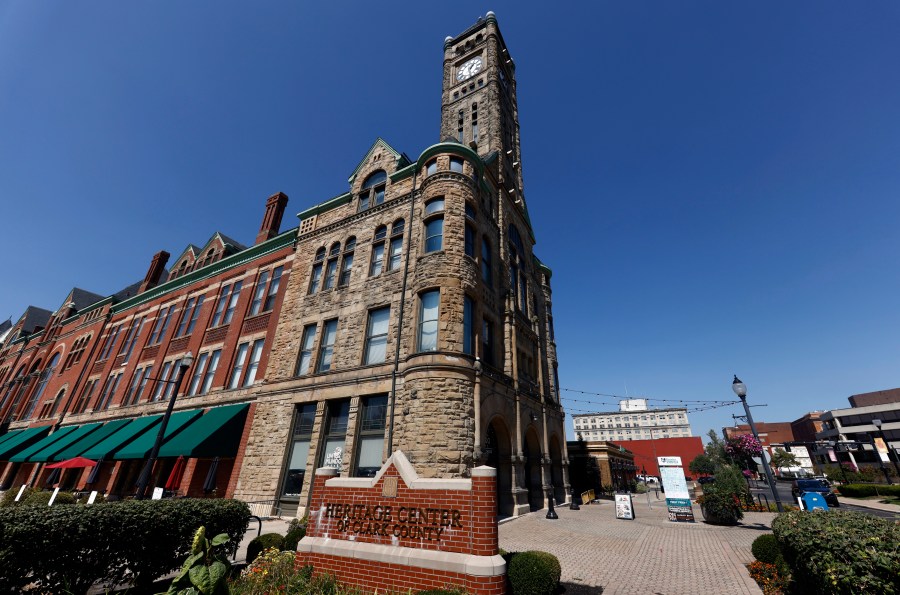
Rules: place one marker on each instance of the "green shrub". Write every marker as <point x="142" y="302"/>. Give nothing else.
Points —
<point x="765" y="548"/>
<point x="722" y="499"/>
<point x="68" y="548"/>
<point x="9" y="497"/>
<point x="263" y="542"/>
<point x="840" y="552"/>
<point x="293" y="537"/>
<point x="206" y="569"/>
<point x="42" y="497"/>
<point x="532" y="573"/>
<point x="857" y="490"/>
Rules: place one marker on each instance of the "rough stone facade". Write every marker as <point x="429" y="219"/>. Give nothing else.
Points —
<point x="485" y="391"/>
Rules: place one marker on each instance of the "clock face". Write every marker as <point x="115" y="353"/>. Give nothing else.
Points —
<point x="469" y="69"/>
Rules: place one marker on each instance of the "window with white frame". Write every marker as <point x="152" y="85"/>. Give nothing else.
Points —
<point x="429" y="303"/>
<point x="347" y="262"/>
<point x="434" y="225"/>
<point x="228" y="299"/>
<point x="376" y="336"/>
<point x="316" y="276"/>
<point x="266" y="291"/>
<point x="372" y="193"/>
<point x="244" y="372"/>
<point x="306" y="349"/>
<point x="326" y="349"/>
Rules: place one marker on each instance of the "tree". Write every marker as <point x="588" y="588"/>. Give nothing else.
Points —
<point x="715" y="449"/>
<point x="703" y="465"/>
<point x="782" y="458"/>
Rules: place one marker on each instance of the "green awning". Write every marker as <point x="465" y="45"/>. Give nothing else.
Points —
<point x="9" y="435"/>
<point x="22" y="455"/>
<point x="216" y="434"/>
<point x="80" y="432"/>
<point x="117" y="440"/>
<point x="22" y="439"/>
<point x="83" y="444"/>
<point x="142" y="445"/>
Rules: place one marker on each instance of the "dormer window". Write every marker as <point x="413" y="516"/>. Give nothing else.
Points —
<point x="372" y="193"/>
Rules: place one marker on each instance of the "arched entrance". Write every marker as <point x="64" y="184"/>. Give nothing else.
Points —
<point x="532" y="475"/>
<point x="498" y="450"/>
<point x="556" y="471"/>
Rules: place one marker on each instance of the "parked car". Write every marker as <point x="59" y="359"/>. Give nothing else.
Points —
<point x="705" y="480"/>
<point x="803" y="486"/>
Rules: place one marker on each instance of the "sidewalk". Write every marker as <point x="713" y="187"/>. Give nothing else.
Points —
<point x="870" y="504"/>
<point x="647" y="556"/>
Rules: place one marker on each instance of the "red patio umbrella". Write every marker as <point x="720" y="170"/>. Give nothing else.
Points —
<point x="73" y="463"/>
<point x="177" y="472"/>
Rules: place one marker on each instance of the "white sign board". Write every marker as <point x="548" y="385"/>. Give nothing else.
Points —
<point x="157" y="494"/>
<point x="669" y="461"/>
<point x="53" y="497"/>
<point x="624" y="509"/>
<point x="19" y="495"/>
<point x="92" y="497"/>
<point x="674" y="483"/>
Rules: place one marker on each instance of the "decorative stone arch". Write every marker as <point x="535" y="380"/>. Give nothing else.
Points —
<point x="532" y="477"/>
<point x="497" y="451"/>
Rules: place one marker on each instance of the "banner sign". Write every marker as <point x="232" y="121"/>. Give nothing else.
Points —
<point x="678" y="498"/>
<point x="680" y="510"/>
<point x="624" y="508"/>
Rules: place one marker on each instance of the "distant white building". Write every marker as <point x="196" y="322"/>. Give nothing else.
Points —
<point x="633" y="421"/>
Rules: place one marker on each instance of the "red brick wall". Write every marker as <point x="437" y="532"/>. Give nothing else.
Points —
<point x="461" y="521"/>
<point x="644" y="458"/>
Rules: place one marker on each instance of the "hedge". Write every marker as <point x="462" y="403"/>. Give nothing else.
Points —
<point x="863" y="490"/>
<point x="840" y="552"/>
<point x="69" y="548"/>
<point x="532" y="573"/>
<point x="262" y="543"/>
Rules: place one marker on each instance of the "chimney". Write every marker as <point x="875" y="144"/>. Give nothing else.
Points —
<point x="271" y="222"/>
<point x="157" y="267"/>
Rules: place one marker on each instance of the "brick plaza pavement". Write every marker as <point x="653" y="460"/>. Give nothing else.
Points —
<point x="647" y="556"/>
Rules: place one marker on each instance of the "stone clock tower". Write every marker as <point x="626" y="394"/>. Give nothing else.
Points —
<point x="478" y="103"/>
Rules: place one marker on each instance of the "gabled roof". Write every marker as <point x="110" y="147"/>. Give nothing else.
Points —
<point x="129" y="291"/>
<point x="191" y="249"/>
<point x="82" y="298"/>
<point x="33" y="318"/>
<point x="230" y="243"/>
<point x="401" y="159"/>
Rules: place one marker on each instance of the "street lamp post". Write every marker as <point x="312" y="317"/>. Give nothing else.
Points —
<point x="186" y="362"/>
<point x="877" y="423"/>
<point x="740" y="389"/>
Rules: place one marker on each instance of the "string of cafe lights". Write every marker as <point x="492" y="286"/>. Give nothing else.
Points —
<point x="692" y="405"/>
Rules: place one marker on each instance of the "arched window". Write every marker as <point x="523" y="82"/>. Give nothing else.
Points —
<point x="11" y="387"/>
<point x="396" y="245"/>
<point x="331" y="266"/>
<point x="434" y="225"/>
<point x="57" y="402"/>
<point x="347" y="262"/>
<point x="518" y="281"/>
<point x="377" y="263"/>
<point x="317" y="271"/>
<point x="42" y="384"/>
<point x="429" y="304"/>
<point x="372" y="192"/>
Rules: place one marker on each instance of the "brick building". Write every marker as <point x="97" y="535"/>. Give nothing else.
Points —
<point x="769" y="432"/>
<point x="409" y="312"/>
<point x="93" y="377"/>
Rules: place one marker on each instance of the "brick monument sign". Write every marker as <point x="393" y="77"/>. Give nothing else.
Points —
<point x="398" y="532"/>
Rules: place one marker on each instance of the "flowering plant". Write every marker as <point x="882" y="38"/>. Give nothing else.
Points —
<point x="744" y="445"/>
<point x="767" y="577"/>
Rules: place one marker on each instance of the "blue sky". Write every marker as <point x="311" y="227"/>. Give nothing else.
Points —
<point x="715" y="185"/>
